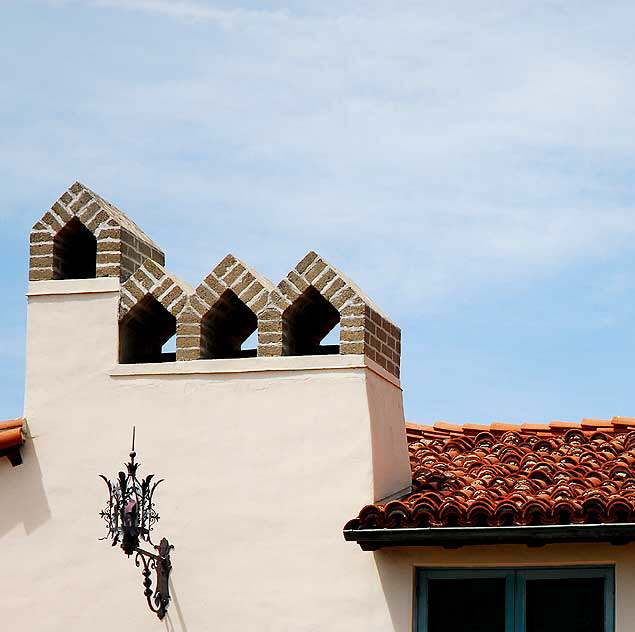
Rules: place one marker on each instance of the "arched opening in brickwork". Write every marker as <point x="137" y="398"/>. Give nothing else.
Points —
<point x="169" y="346"/>
<point x="332" y="339"/>
<point x="74" y="252"/>
<point x="144" y="330"/>
<point x="250" y="345"/>
<point x="306" y="323"/>
<point x="226" y="327"/>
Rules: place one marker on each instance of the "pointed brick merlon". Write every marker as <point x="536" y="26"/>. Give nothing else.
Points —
<point x="121" y="245"/>
<point x="364" y="329"/>
<point x="231" y="274"/>
<point x="153" y="280"/>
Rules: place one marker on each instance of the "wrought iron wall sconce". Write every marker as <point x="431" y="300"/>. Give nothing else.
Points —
<point x="130" y="517"/>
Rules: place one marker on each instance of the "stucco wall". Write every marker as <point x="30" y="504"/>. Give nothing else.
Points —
<point x="264" y="459"/>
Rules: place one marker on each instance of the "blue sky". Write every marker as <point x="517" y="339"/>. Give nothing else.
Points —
<point x="469" y="164"/>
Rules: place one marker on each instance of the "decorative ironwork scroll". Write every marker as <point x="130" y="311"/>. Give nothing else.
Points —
<point x="162" y="565"/>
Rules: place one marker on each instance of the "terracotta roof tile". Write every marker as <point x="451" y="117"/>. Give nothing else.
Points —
<point x="11" y="423"/>
<point x="511" y="474"/>
<point x="11" y="439"/>
<point x="596" y="423"/>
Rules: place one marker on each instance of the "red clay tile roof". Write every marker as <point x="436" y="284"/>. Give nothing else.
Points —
<point x="512" y="475"/>
<point x="11" y="439"/>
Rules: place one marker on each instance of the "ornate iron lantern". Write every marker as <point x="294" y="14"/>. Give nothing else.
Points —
<point x="130" y="517"/>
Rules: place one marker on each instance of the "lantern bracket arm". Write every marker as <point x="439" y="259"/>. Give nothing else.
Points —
<point x="158" y="598"/>
<point x="149" y="554"/>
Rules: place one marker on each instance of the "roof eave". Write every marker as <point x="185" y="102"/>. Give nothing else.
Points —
<point x="13" y="454"/>
<point x="455" y="537"/>
<point x="12" y="434"/>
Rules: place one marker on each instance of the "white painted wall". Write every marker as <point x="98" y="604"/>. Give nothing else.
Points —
<point x="265" y="460"/>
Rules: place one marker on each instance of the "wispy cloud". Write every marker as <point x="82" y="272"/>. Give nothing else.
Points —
<point x="191" y="11"/>
<point x="455" y="145"/>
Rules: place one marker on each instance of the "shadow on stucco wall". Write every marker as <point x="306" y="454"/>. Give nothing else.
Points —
<point x="175" y="608"/>
<point x="22" y="497"/>
<point x="397" y="585"/>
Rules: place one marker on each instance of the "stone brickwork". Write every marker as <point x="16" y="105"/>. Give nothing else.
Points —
<point x="382" y="339"/>
<point x="150" y="305"/>
<point x="152" y="279"/>
<point x="84" y="236"/>
<point x="363" y="328"/>
<point x="223" y="312"/>
<point x="121" y="246"/>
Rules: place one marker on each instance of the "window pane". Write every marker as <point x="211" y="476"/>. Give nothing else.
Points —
<point x="467" y="605"/>
<point x="574" y="605"/>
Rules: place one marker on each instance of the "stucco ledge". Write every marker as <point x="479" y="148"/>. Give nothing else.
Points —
<point x="255" y="365"/>
<point x="102" y="285"/>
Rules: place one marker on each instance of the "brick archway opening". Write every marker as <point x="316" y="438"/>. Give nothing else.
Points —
<point x="306" y="323"/>
<point x="226" y="327"/>
<point x="144" y="330"/>
<point x="74" y="252"/>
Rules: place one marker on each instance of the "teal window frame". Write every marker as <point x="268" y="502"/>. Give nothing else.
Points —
<point x="515" y="589"/>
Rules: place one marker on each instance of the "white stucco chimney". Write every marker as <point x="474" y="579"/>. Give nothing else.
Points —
<point x="266" y="453"/>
